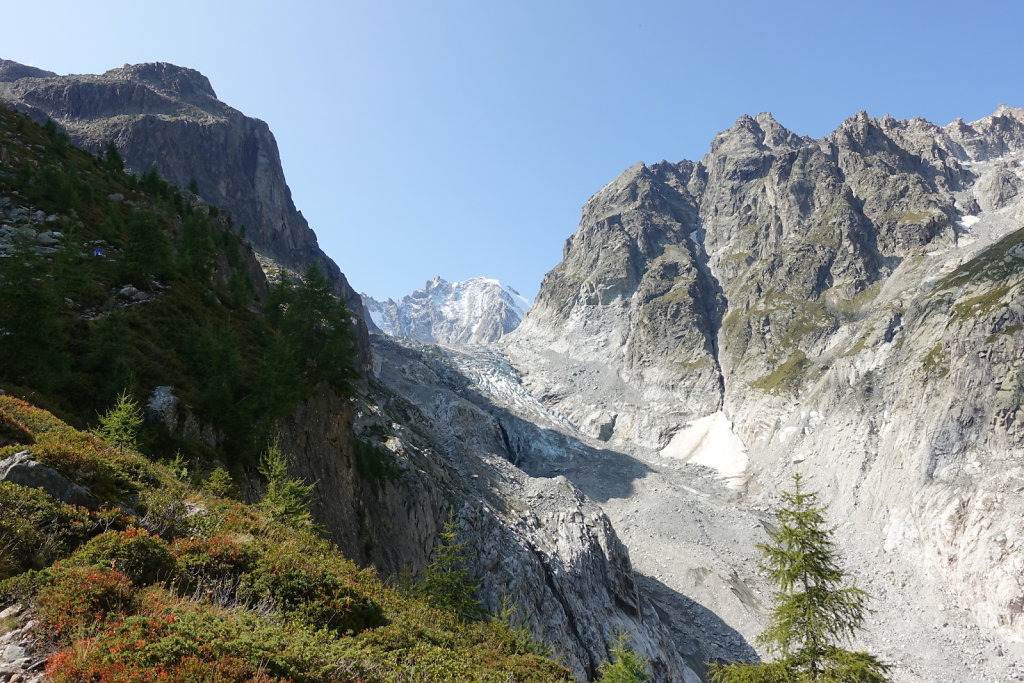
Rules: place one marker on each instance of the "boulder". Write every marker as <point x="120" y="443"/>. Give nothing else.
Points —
<point x="21" y="469"/>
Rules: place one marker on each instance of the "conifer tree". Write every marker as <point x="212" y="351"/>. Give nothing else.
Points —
<point x="446" y="583"/>
<point x="286" y="500"/>
<point x="120" y="425"/>
<point x="112" y="159"/>
<point x="624" y="666"/>
<point x="814" y="611"/>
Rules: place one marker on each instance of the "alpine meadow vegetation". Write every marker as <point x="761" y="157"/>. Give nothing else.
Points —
<point x="191" y="586"/>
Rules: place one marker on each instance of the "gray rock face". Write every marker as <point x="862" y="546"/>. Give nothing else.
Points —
<point x="165" y="116"/>
<point x="164" y="407"/>
<point x="475" y="311"/>
<point x="538" y="542"/>
<point x="21" y="469"/>
<point x="849" y="306"/>
<point x="23" y="654"/>
<point x="12" y="71"/>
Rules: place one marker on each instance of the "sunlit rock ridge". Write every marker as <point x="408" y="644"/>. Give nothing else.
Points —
<point x="848" y="307"/>
<point x="476" y="311"/>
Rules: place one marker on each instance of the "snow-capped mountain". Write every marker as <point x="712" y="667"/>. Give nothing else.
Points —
<point x="475" y="311"/>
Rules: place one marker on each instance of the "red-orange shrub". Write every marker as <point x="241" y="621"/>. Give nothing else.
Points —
<point x="81" y="600"/>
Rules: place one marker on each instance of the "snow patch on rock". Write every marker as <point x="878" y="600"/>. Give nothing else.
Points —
<point x="711" y="442"/>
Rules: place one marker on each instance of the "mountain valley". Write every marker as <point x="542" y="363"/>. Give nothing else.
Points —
<point x="848" y="307"/>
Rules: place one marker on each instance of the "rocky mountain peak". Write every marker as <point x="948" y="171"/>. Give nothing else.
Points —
<point x="745" y="136"/>
<point x="476" y="311"/>
<point x="167" y="77"/>
<point x="851" y="303"/>
<point x="752" y="138"/>
<point x="436" y="282"/>
<point x="776" y="135"/>
<point x="861" y="132"/>
<point x="13" y="71"/>
<point x="627" y="178"/>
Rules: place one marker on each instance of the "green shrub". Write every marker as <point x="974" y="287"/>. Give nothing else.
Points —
<point x="165" y="512"/>
<point x="212" y="563"/>
<point x="36" y="529"/>
<point x="319" y="590"/>
<point x="136" y="553"/>
<point x="184" y="642"/>
<point x="23" y="587"/>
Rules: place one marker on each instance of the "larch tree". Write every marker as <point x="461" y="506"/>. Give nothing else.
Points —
<point x="815" y="610"/>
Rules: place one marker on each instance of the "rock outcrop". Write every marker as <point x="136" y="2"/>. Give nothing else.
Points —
<point x="850" y="306"/>
<point x="537" y="542"/>
<point x="393" y="467"/>
<point x="22" y="654"/>
<point x="168" y="117"/>
<point x="475" y="311"/>
<point x="23" y="470"/>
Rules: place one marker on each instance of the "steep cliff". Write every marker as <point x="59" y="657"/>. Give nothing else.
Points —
<point x="849" y="306"/>
<point x="392" y="468"/>
<point x="535" y="541"/>
<point x="168" y="117"/>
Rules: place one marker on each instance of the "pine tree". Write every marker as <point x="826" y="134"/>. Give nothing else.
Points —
<point x="286" y="500"/>
<point x="446" y="583"/>
<point x="112" y="159"/>
<point x="624" y="666"/>
<point x="814" y="609"/>
<point x="120" y="425"/>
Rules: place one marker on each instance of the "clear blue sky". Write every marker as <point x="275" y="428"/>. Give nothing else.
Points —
<point x="462" y="138"/>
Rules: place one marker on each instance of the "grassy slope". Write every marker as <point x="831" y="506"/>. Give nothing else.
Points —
<point x="193" y="587"/>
